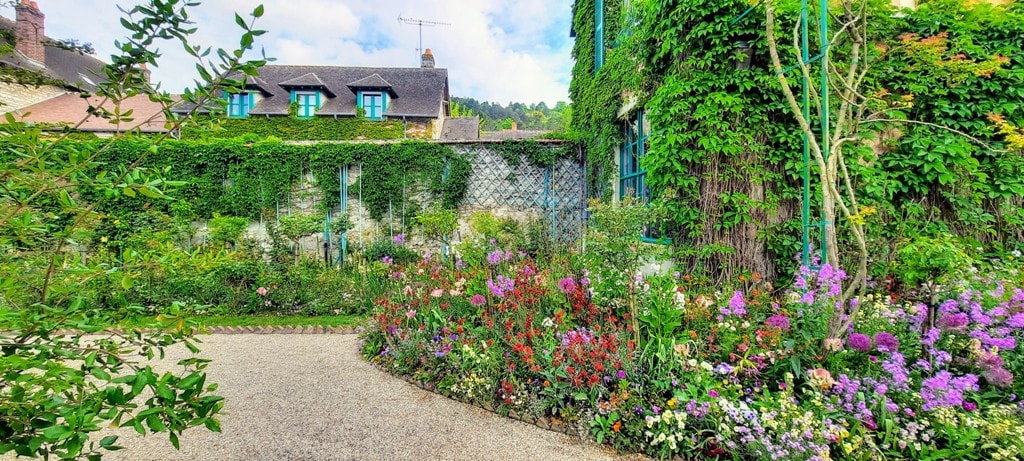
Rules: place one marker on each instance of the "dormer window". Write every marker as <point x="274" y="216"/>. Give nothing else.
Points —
<point x="239" y="104"/>
<point x="373" y="104"/>
<point x="308" y="102"/>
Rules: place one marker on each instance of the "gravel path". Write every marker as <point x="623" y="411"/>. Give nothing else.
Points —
<point x="310" y="397"/>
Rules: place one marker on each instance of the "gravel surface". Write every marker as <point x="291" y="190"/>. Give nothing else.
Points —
<point x="310" y="397"/>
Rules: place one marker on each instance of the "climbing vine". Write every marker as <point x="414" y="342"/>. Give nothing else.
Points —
<point x="597" y="96"/>
<point x="724" y="154"/>
<point x="246" y="177"/>
<point x="311" y="129"/>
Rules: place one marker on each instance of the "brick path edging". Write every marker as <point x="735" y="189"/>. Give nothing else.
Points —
<point x="221" y="330"/>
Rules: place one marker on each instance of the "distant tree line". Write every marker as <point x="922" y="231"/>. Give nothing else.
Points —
<point x="494" y="116"/>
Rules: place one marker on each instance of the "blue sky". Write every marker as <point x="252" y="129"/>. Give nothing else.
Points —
<point x="494" y="50"/>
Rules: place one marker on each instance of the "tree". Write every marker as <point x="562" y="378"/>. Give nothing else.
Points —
<point x="854" y="110"/>
<point x="63" y="376"/>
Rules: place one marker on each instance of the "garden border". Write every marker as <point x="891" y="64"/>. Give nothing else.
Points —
<point x="544" y="422"/>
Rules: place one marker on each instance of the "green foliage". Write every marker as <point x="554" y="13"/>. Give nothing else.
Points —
<point x="307" y="129"/>
<point x="597" y="98"/>
<point x="297" y="226"/>
<point x="438" y="223"/>
<point x="61" y="388"/>
<point x="399" y="254"/>
<point x="494" y="116"/>
<point x="227" y="229"/>
<point x="246" y="177"/>
<point x="962" y="66"/>
<point x="931" y="259"/>
<point x="393" y="172"/>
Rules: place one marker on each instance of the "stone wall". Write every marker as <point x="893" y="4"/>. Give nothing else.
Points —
<point x="523" y="192"/>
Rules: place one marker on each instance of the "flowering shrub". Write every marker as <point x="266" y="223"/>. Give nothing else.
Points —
<point x="730" y="373"/>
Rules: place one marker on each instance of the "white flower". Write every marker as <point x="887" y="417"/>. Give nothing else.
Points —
<point x="548" y="323"/>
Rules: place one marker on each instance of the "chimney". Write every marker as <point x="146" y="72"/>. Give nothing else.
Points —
<point x="515" y="126"/>
<point x="145" y="72"/>
<point x="29" y="31"/>
<point x="427" y="61"/>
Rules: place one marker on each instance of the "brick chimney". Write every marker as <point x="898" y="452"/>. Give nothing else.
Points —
<point x="146" y="73"/>
<point x="29" y="31"/>
<point x="427" y="61"/>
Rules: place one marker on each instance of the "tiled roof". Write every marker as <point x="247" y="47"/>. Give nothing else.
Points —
<point x="71" y="108"/>
<point x="76" y="69"/>
<point x="461" y="128"/>
<point x="417" y="92"/>
<point x="373" y="81"/>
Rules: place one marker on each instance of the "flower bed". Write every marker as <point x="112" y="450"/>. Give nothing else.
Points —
<point x="745" y="373"/>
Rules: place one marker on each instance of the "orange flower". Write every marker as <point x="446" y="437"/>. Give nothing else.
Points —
<point x="617" y="426"/>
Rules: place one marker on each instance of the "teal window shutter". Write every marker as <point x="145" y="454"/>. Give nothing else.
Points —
<point x="632" y="176"/>
<point x="239" y="104"/>
<point x="372" y="105"/>
<point x="308" y="101"/>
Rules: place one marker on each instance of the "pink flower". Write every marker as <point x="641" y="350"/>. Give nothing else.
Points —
<point x="567" y="285"/>
<point x="262" y="291"/>
<point x="478" y="300"/>
<point x="411" y="313"/>
<point x="437" y="293"/>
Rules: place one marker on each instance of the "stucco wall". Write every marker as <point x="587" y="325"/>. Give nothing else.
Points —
<point x="14" y="96"/>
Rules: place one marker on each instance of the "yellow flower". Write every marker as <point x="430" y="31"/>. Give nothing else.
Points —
<point x="103" y="239"/>
<point x="671" y="402"/>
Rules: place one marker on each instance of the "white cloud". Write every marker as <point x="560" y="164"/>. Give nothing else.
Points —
<point x="494" y="50"/>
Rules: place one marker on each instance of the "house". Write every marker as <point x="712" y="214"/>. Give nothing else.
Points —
<point x="33" y="68"/>
<point x="417" y="96"/>
<point x="44" y="82"/>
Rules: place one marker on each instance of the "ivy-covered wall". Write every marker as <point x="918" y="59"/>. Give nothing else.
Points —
<point x="243" y="177"/>
<point x="725" y="153"/>
<point x="294" y="128"/>
<point x="717" y="154"/>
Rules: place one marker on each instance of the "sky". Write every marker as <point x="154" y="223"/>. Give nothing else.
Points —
<point x="495" y="50"/>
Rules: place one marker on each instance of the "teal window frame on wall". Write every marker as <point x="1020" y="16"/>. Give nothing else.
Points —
<point x="598" y="34"/>
<point x="309" y="102"/>
<point x="372" y="111"/>
<point x="239" y="104"/>
<point x="632" y="176"/>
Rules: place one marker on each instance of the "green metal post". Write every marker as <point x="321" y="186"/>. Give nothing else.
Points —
<point x="806" y="106"/>
<point x="824" y="142"/>
<point x="343" y="199"/>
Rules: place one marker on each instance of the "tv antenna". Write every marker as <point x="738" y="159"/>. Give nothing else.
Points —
<point x="421" y="23"/>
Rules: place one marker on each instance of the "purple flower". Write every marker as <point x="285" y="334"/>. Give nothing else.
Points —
<point x="621" y="374"/>
<point x="459" y="264"/>
<point x="943" y="390"/>
<point x="478" y="300"/>
<point x="953" y="321"/>
<point x="859" y="341"/>
<point x="386" y="259"/>
<point x="494" y="257"/>
<point x="737" y="304"/>
<point x="713" y="394"/>
<point x="970" y="406"/>
<point x="398" y="239"/>
<point x="567" y="285"/>
<point x="778" y="321"/>
<point x="501" y="285"/>
<point x="886" y="342"/>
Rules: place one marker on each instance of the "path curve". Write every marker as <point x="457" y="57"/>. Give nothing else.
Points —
<point x="311" y="397"/>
